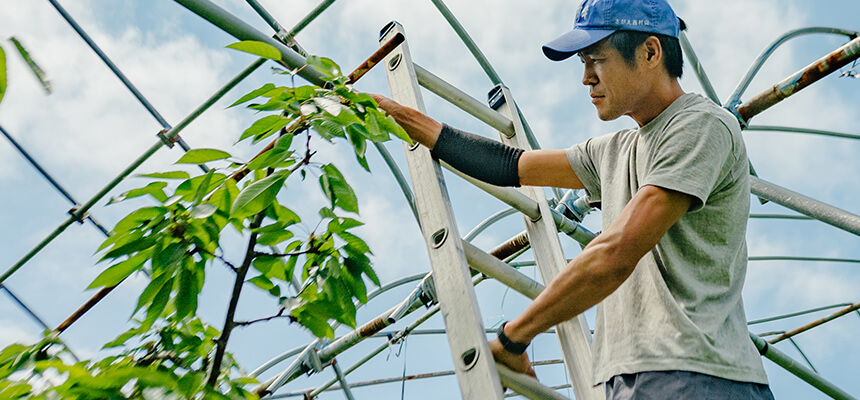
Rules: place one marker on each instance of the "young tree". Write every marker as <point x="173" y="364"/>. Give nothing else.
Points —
<point x="171" y="351"/>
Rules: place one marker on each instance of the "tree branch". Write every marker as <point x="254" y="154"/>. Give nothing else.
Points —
<point x="229" y="324"/>
<point x="280" y="314"/>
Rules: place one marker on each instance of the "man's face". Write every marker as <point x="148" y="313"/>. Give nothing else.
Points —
<point x="616" y="88"/>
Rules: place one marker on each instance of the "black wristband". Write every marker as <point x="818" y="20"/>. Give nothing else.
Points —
<point x="481" y="158"/>
<point x="511" y="347"/>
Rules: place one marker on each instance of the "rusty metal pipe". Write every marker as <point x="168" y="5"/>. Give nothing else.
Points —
<point x="811" y="325"/>
<point x="801" y="79"/>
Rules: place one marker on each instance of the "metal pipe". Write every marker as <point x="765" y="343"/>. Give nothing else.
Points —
<point x="342" y="380"/>
<point x="802" y="354"/>
<point x="735" y="97"/>
<point x="78" y="214"/>
<point x="770" y="128"/>
<point x="35" y="317"/>
<point x="790" y="365"/>
<point x="307" y="19"/>
<point x="799" y="80"/>
<point x="241" y="30"/>
<point x="462" y="100"/>
<point x="504" y="273"/>
<point x="698" y="69"/>
<point x="526" y="385"/>
<point x="792" y="258"/>
<point x="795" y="314"/>
<point x="823" y="212"/>
<point x="116" y="71"/>
<point x="265" y="15"/>
<point x="486" y="66"/>
<point x="487" y="222"/>
<point x="370" y="296"/>
<point x="509" y="196"/>
<point x="49" y="178"/>
<point x="781" y="216"/>
<point x="831" y="317"/>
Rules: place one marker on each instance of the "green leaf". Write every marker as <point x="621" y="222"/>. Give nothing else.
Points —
<point x="2" y="73"/>
<point x="169" y="256"/>
<point x="119" y="271"/>
<point x="324" y="65"/>
<point x="159" y="301"/>
<point x="186" y="294"/>
<point x="262" y="282"/>
<point x="264" y="127"/>
<point x="377" y="134"/>
<point x="355" y="242"/>
<point x="303" y="93"/>
<point x="152" y="289"/>
<point x="155" y="189"/>
<point x="166" y="175"/>
<point x="203" y="210"/>
<point x="358" y="136"/>
<point x="40" y="75"/>
<point x="258" y="195"/>
<point x="261" y="49"/>
<point x="337" y="189"/>
<point x="254" y="94"/>
<point x="130" y="247"/>
<point x="200" y="156"/>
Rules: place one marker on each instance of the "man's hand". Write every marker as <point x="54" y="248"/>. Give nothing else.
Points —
<point x="421" y="128"/>
<point x="519" y="363"/>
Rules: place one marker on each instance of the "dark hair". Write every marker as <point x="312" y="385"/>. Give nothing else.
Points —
<point x="626" y="43"/>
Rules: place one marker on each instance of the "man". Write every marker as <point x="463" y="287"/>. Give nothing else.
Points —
<point x="668" y="268"/>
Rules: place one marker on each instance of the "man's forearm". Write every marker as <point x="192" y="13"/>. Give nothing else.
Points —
<point x="421" y="128"/>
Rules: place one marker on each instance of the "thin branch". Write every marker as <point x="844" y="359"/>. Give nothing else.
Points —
<point x="280" y="314"/>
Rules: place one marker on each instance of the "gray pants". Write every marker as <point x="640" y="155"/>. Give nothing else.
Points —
<point x="667" y="385"/>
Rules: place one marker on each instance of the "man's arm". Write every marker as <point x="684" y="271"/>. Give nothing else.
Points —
<point x="599" y="270"/>
<point x="535" y="168"/>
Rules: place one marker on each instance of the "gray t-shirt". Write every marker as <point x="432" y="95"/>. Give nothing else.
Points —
<point x="681" y="308"/>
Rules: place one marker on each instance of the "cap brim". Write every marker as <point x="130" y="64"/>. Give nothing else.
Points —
<point x="571" y="42"/>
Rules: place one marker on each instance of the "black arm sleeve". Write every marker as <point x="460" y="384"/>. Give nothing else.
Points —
<point x="478" y="157"/>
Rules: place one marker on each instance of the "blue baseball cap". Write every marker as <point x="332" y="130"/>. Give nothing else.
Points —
<point x="597" y="19"/>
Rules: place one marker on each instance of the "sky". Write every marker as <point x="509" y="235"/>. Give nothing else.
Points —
<point x="91" y="127"/>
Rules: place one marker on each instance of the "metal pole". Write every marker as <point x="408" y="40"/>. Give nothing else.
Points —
<point x="795" y="314"/>
<point x="698" y="69"/>
<point x="792" y="258"/>
<point x="78" y="214"/>
<point x="487" y="222"/>
<point x="781" y="216"/>
<point x="823" y="212"/>
<point x="143" y="101"/>
<point x="799" y="80"/>
<point x="307" y="19"/>
<point x="801" y="130"/>
<point x="462" y="100"/>
<point x="35" y="317"/>
<point x="49" y="178"/>
<point x="342" y="380"/>
<point x="735" y="99"/>
<point x="526" y="385"/>
<point x="790" y="365"/>
<point x="241" y="30"/>
<point x="265" y="15"/>
<point x="831" y="317"/>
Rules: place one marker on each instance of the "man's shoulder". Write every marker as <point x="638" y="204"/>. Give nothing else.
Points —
<point x="697" y="106"/>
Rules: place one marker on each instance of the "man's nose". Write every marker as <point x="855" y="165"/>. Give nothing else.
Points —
<point x="588" y="77"/>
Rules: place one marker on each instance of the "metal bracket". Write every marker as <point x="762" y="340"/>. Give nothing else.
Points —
<point x="74" y="213"/>
<point x="168" y="141"/>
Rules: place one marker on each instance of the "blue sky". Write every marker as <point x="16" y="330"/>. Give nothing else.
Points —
<point x="91" y="127"/>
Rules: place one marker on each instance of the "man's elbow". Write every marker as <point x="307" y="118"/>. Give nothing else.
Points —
<point x="616" y="263"/>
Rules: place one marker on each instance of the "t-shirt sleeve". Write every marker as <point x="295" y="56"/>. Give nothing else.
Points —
<point x="584" y="159"/>
<point x="689" y="156"/>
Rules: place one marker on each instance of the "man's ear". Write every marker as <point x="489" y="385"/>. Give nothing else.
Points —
<point x="651" y="52"/>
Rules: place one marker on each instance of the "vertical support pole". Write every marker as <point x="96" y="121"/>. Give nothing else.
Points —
<point x="473" y="361"/>
<point x="573" y="335"/>
<point x="342" y="379"/>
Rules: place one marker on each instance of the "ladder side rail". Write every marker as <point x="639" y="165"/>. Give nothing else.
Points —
<point x="473" y="361"/>
<point x="574" y="335"/>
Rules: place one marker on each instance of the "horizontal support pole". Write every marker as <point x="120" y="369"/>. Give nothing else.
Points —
<point x="243" y="31"/>
<point x="526" y="385"/>
<point x="805" y="205"/>
<point x="500" y="271"/>
<point x="800" y="79"/>
<point x="462" y="100"/>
